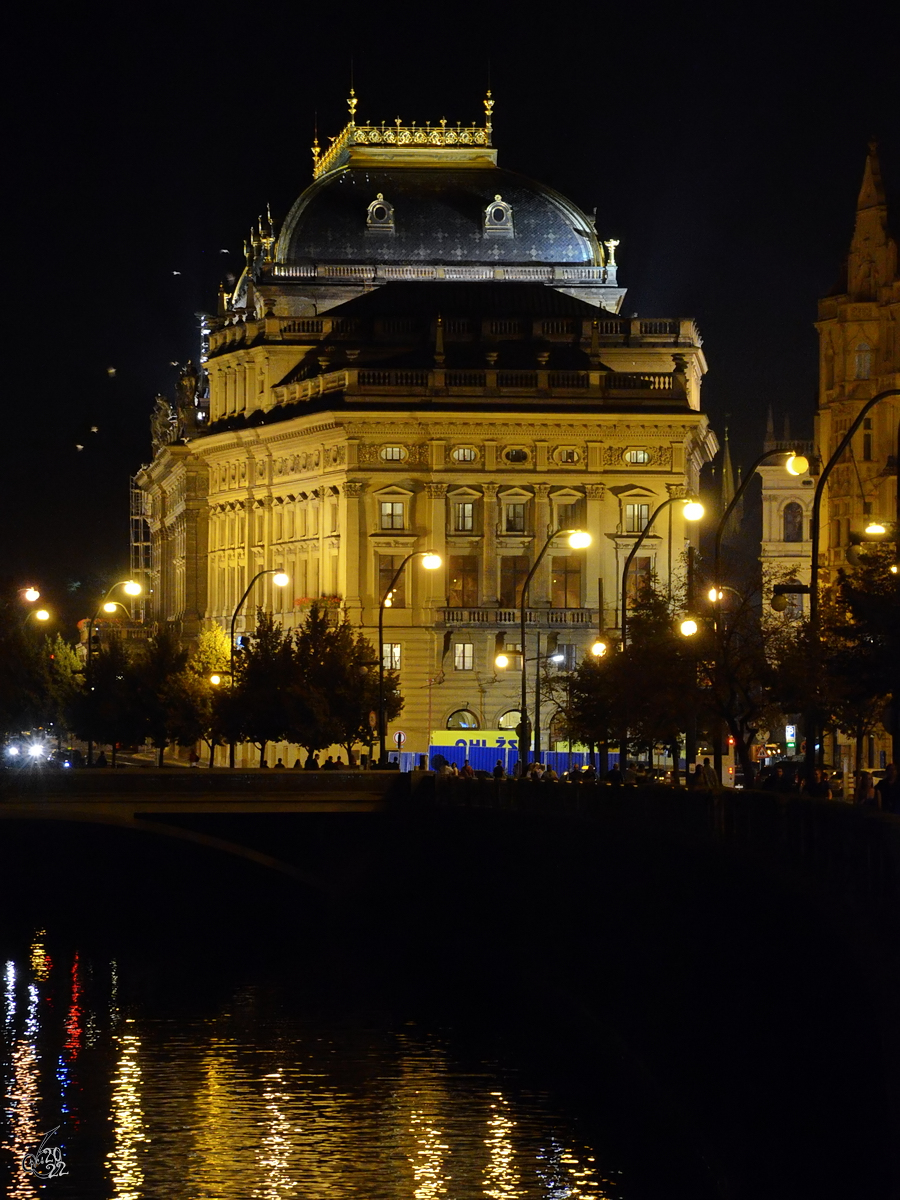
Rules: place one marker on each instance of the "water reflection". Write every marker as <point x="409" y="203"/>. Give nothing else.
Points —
<point x="241" y="1104"/>
<point x="124" y="1160"/>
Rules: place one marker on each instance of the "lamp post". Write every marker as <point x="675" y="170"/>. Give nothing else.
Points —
<point x="693" y="511"/>
<point x="578" y="540"/>
<point x="430" y="561"/>
<point x="280" y="580"/>
<point x="130" y="588"/>
<point x="502" y="662"/>
<point x="811" y="721"/>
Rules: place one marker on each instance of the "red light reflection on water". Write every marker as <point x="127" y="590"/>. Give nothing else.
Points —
<point x="74" y="1021"/>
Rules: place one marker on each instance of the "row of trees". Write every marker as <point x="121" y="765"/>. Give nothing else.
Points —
<point x="749" y="674"/>
<point x="315" y="687"/>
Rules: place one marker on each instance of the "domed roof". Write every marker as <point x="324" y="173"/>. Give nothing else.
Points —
<point x="442" y="214"/>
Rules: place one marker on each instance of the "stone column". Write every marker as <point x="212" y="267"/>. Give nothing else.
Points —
<point x="434" y="590"/>
<point x="490" y="564"/>
<point x="353" y="555"/>
<point x="539" y="592"/>
<point x="593" y="556"/>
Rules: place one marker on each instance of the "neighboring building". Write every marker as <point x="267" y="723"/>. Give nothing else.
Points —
<point x="859" y="356"/>
<point x="786" y="516"/>
<point x="427" y="356"/>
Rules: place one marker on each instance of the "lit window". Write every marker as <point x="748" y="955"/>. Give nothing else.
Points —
<point x="390" y="656"/>
<point x="463" y="580"/>
<point x="636" y="517"/>
<point x="464" y="454"/>
<point x="567" y="454"/>
<point x="462" y="719"/>
<point x="565" y="581"/>
<point x="388" y="564"/>
<point x="513" y="573"/>
<point x="515" y="518"/>
<point x="392" y="514"/>
<point x="793" y="522"/>
<point x="509" y="720"/>
<point x="464" y="656"/>
<point x="464" y="516"/>
<point x="568" y="656"/>
<point x="637" y="456"/>
<point x="393" y="453"/>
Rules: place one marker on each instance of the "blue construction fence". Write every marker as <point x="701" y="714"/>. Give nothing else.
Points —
<point x="484" y="758"/>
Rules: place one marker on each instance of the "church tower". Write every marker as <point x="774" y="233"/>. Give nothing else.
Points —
<point x="859" y="356"/>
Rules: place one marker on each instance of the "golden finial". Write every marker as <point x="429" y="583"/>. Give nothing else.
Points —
<point x="315" y="153"/>
<point x="488" y="111"/>
<point x="351" y="104"/>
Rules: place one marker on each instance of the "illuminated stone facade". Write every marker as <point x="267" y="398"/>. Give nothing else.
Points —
<point x="428" y="356"/>
<point x="859" y="356"/>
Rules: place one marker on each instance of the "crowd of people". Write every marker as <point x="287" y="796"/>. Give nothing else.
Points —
<point x="883" y="795"/>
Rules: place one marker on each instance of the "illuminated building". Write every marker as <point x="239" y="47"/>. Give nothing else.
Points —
<point x="859" y="356"/>
<point x="427" y="354"/>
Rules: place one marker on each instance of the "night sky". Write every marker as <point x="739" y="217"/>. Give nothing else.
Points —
<point x="724" y="147"/>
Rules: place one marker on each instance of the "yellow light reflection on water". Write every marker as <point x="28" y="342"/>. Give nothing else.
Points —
<point x="40" y="959"/>
<point x="502" y="1180"/>
<point x="123" y="1161"/>
<point x="23" y="1108"/>
<point x="275" y="1151"/>
<point x="427" y="1158"/>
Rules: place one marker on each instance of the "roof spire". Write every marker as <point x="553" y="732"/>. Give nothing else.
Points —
<point x="871" y="194"/>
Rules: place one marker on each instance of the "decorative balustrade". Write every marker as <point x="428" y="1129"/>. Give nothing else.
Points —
<point x="572" y="617"/>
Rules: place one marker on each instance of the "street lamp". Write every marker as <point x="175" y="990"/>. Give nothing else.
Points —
<point x="578" y="540"/>
<point x="501" y="661"/>
<point x="280" y="579"/>
<point x="131" y="588"/>
<point x="809" y="765"/>
<point x="430" y="561"/>
<point x="31" y="594"/>
<point x="693" y="511"/>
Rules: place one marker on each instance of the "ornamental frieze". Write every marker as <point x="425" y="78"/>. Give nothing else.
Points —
<point x="436" y="491"/>
<point x="595" y="491"/>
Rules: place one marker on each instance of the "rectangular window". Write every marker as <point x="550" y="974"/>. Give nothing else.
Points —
<point x="390" y="656"/>
<point x="867" y="447"/>
<point x="515" y="518"/>
<point x="463" y="516"/>
<point x="463" y="580"/>
<point x="387" y="565"/>
<point x="392" y="514"/>
<point x="565" y="582"/>
<point x="567" y="515"/>
<point x="639" y="576"/>
<point x="463" y="656"/>
<point x="570" y="656"/>
<point x="514" y="570"/>
<point x="636" y="517"/>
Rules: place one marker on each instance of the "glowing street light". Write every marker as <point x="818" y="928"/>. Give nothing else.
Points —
<point x="688" y="627"/>
<point x="693" y="511"/>
<point x="431" y="562"/>
<point x="280" y="579"/>
<point x="578" y="540"/>
<point x="31" y="594"/>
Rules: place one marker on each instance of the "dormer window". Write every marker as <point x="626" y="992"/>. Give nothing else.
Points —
<point x="498" y="220"/>
<point x="380" y="215"/>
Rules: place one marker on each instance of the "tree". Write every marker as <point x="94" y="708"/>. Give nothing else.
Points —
<point x="109" y="711"/>
<point x="266" y="693"/>
<point x="164" y="697"/>
<point x="211" y="656"/>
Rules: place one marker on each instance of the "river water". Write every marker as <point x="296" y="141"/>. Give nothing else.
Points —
<point x="174" y="1076"/>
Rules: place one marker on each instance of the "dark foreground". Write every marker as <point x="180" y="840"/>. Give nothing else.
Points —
<point x="739" y="1014"/>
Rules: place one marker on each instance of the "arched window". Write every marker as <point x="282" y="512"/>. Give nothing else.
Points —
<point x="863" y="360"/>
<point x="509" y="720"/>
<point x="793" y="522"/>
<point x="462" y="719"/>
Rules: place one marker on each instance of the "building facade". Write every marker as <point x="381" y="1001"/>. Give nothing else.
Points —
<point x="859" y="356"/>
<point x="427" y="355"/>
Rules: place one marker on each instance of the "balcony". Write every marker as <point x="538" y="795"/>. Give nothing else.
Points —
<point x="584" y="618"/>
